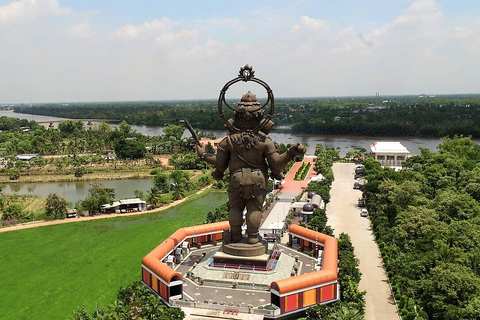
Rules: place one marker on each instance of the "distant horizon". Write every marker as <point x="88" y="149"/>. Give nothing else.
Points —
<point x="216" y="99"/>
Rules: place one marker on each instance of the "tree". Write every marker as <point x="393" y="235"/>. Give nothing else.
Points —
<point x="346" y="313"/>
<point x="174" y="131"/>
<point x="187" y="161"/>
<point x="220" y="214"/>
<point x="80" y="172"/>
<point x="97" y="196"/>
<point x="180" y="183"/>
<point x="161" y="182"/>
<point x="14" y="174"/>
<point x="125" y="129"/>
<point x="15" y="211"/>
<point x="318" y="221"/>
<point x="153" y="198"/>
<point x="449" y="291"/>
<point x="138" y="193"/>
<point x="209" y="148"/>
<point x="68" y="127"/>
<point x="178" y="192"/>
<point x="129" y="149"/>
<point x="56" y="206"/>
<point x="134" y="301"/>
<point x="204" y="180"/>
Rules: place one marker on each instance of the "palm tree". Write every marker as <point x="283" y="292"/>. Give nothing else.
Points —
<point x="153" y="197"/>
<point x="204" y="180"/>
<point x="346" y="313"/>
<point x="178" y="192"/>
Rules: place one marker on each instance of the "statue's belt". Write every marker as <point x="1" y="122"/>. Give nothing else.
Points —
<point x="252" y="170"/>
<point x="247" y="179"/>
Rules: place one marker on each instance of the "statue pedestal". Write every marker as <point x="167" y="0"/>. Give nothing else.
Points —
<point x="243" y="249"/>
<point x="237" y="254"/>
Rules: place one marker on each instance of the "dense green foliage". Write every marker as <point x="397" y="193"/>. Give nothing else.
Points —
<point x="352" y="300"/>
<point x="420" y="116"/>
<point x="16" y="125"/>
<point x="73" y="138"/>
<point x="129" y="149"/>
<point x="50" y="271"/>
<point x="97" y="196"/>
<point x="323" y="166"/>
<point x="426" y="220"/>
<point x="15" y="212"/>
<point x="401" y="116"/>
<point x="202" y="114"/>
<point x="219" y="214"/>
<point x="302" y="172"/>
<point x="134" y="301"/>
<point x="56" y="206"/>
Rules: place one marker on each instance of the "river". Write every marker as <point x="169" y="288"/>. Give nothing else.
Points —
<point x="345" y="143"/>
<point x="74" y="191"/>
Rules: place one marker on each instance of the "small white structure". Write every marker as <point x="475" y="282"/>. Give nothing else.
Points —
<point x="27" y="157"/>
<point x="317" y="202"/>
<point x="275" y="220"/>
<point x="390" y="154"/>
<point x="124" y="206"/>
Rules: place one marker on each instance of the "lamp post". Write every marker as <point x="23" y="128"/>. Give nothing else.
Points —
<point x="193" y="240"/>
<point x="253" y="294"/>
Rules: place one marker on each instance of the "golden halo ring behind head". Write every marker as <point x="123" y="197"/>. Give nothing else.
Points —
<point x="245" y="74"/>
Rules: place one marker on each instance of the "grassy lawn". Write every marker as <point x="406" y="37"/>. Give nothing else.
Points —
<point x="46" y="273"/>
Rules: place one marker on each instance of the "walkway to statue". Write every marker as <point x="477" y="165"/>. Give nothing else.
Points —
<point x="293" y="187"/>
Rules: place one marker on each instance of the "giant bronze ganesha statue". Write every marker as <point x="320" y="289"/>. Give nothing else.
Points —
<point x="249" y="154"/>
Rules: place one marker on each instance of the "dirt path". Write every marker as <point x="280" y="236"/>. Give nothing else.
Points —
<point x="36" y="224"/>
<point x="344" y="216"/>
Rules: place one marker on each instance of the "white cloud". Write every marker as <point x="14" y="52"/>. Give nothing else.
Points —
<point x="70" y="56"/>
<point x="82" y="31"/>
<point x="22" y="11"/>
<point x="148" y="29"/>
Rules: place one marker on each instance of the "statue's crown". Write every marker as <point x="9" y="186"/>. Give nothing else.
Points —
<point x="249" y="97"/>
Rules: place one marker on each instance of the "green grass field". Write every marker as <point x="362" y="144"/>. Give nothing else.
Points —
<point x="47" y="272"/>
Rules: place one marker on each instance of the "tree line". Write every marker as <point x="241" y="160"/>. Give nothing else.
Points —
<point x="134" y="301"/>
<point x="421" y="116"/>
<point x="426" y="220"/>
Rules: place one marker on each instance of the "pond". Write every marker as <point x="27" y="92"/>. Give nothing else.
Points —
<point x="74" y="191"/>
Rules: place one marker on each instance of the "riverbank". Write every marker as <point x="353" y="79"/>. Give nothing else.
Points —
<point x="43" y="223"/>
<point x="119" y="174"/>
<point x="95" y="172"/>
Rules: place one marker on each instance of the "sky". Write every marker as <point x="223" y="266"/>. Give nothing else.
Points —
<point x="119" y="50"/>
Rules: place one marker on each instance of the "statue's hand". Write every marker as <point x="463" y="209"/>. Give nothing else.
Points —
<point x="279" y="176"/>
<point x="217" y="175"/>
<point x="297" y="149"/>
<point x="200" y="150"/>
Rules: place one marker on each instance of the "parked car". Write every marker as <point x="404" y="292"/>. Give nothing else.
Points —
<point x="364" y="213"/>
<point x="356" y="185"/>
<point x="360" y="170"/>
<point x="270" y="237"/>
<point x="361" y="203"/>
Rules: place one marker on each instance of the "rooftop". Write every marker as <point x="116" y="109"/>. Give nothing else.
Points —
<point x="388" y="147"/>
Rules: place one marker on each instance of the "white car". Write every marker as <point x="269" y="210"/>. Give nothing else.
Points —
<point x="364" y="213"/>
